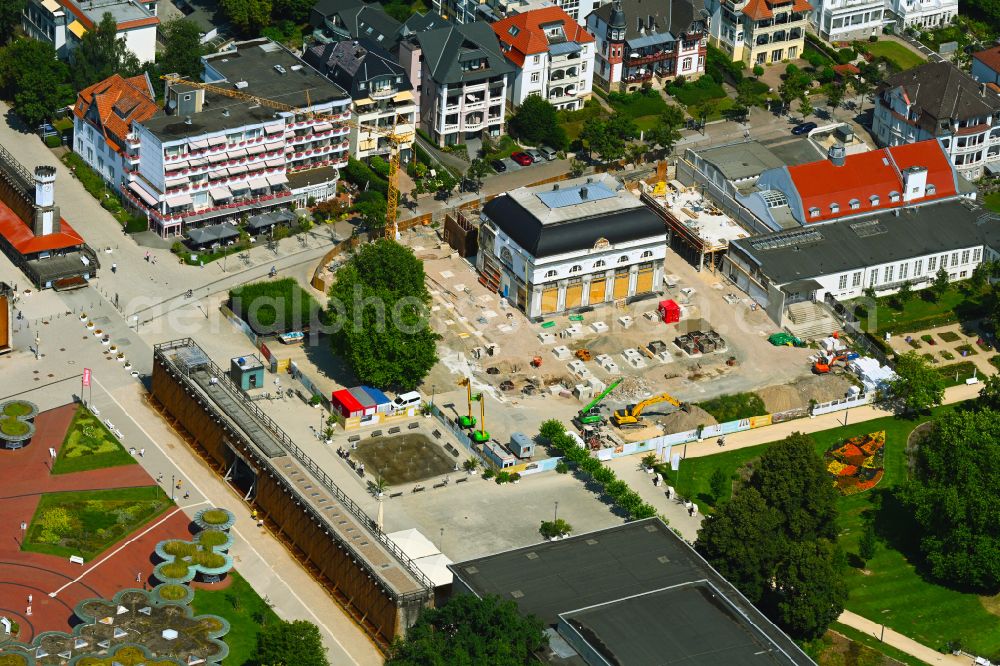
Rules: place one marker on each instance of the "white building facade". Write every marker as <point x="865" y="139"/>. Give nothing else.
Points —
<point x="848" y="20"/>
<point x="924" y="14"/>
<point x="63" y="23"/>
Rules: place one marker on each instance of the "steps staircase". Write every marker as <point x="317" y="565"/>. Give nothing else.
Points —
<point x="810" y="320"/>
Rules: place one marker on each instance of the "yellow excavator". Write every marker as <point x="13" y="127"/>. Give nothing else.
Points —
<point x="631" y="416"/>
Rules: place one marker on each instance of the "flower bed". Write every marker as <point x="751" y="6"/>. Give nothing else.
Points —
<point x="858" y="464"/>
<point x="204" y="558"/>
<point x="174" y="594"/>
<point x="215" y="519"/>
<point x="16" y="427"/>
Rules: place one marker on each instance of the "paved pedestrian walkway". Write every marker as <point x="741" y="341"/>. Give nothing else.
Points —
<point x="899" y="641"/>
<point x="629" y="470"/>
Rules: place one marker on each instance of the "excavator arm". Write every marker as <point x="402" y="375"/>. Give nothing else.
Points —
<point x="631" y="416"/>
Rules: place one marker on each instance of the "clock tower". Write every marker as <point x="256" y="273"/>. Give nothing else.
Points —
<point x="46" y="212"/>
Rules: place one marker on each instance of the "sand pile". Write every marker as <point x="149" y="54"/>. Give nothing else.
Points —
<point x="681" y="421"/>
<point x="821" y="388"/>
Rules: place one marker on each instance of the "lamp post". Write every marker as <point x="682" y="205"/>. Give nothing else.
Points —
<point x="135" y="320"/>
<point x="38" y="346"/>
<point x="555" y="512"/>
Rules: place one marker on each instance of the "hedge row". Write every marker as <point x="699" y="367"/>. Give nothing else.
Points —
<point x="624" y="497"/>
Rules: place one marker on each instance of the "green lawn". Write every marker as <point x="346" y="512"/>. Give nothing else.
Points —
<point x="895" y="53"/>
<point x="962" y="371"/>
<point x="734" y="407"/>
<point x="872" y="643"/>
<point x="992" y="201"/>
<point x="695" y="93"/>
<point x="638" y="104"/>
<point x="919" y="314"/>
<point x="89" y="445"/>
<point x="88" y="522"/>
<point x="246" y="611"/>
<point x="893" y="590"/>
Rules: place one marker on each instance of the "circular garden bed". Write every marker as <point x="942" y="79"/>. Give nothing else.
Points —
<point x="215" y="519"/>
<point x="16" y="427"/>
<point x="174" y="593"/>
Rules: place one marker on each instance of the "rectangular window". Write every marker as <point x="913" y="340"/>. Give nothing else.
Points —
<point x="931" y="264"/>
<point x="856" y="280"/>
<point x="918" y="267"/>
<point x="536" y="59"/>
<point x="944" y="261"/>
<point x="534" y="77"/>
<point x="954" y="258"/>
<point x="887" y="274"/>
<point x="904" y="270"/>
<point x="843" y="282"/>
<point x="977" y="254"/>
<point x="873" y="277"/>
<point x="965" y="256"/>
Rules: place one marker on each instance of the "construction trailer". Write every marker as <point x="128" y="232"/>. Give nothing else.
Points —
<point x="522" y="445"/>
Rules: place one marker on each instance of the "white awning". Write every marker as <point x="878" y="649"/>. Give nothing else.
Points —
<point x="239" y="152"/>
<point x="238" y="169"/>
<point x="142" y="194"/>
<point x="258" y="183"/>
<point x="216" y="140"/>
<point x="220" y="157"/>
<point x="323" y="127"/>
<point x="220" y="193"/>
<point x="277" y="179"/>
<point x="198" y="161"/>
<point x="216" y="175"/>
<point x="179" y="200"/>
<point x="270" y="164"/>
<point x="255" y="149"/>
<point x="174" y="182"/>
<point x="274" y="128"/>
<point x="174" y="166"/>
<point x="198" y="144"/>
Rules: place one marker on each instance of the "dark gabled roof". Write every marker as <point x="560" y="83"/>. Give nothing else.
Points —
<point x="669" y="16"/>
<point x="350" y="63"/>
<point x="423" y="22"/>
<point x="582" y="233"/>
<point x="857" y="243"/>
<point x="359" y="19"/>
<point x="939" y="91"/>
<point x="443" y="50"/>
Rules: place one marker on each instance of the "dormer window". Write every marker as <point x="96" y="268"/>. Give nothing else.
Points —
<point x="813" y="211"/>
<point x="550" y="274"/>
<point x="894" y="196"/>
<point x="874" y="200"/>
<point x="623" y="259"/>
<point x="575" y="268"/>
<point x="931" y="190"/>
<point x="513" y="30"/>
<point x="855" y="204"/>
<point x="835" y="208"/>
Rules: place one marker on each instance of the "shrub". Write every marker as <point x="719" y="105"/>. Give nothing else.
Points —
<point x="172" y="592"/>
<point x="563" y="468"/>
<point x="215" y="517"/>
<point x="488" y="473"/>
<point x="274" y="305"/>
<point x="846" y="55"/>
<point x="53" y="141"/>
<point x="175" y="570"/>
<point x="212" y="538"/>
<point x="180" y="548"/>
<point x="503" y="477"/>
<point x="758" y="70"/>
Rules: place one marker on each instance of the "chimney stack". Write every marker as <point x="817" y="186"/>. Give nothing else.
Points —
<point x="837" y="154"/>
<point x="46" y="212"/>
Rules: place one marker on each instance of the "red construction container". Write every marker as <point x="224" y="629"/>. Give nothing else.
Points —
<point x="669" y="311"/>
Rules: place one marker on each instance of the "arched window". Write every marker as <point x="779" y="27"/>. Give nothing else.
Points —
<point x="623" y="259"/>
<point x="600" y="263"/>
<point x="505" y="256"/>
<point x="647" y="254"/>
<point x="550" y="274"/>
<point x="575" y="268"/>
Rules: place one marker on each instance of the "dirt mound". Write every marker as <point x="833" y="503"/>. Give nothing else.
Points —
<point x="681" y="421"/>
<point x="823" y="388"/>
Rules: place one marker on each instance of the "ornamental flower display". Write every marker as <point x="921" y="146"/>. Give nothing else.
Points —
<point x="857" y="464"/>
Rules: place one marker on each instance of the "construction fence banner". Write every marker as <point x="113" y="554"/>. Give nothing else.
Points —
<point x="843" y="403"/>
<point x="535" y="466"/>
<point x="240" y="324"/>
<point x="307" y="382"/>
<point x="458" y="433"/>
<point x="272" y="361"/>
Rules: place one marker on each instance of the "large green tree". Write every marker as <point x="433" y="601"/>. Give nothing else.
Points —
<point x="468" y="631"/>
<point x="379" y="302"/>
<point x="249" y="17"/>
<point x="536" y="122"/>
<point x="35" y="80"/>
<point x="918" y="385"/>
<point x="666" y="132"/>
<point x="296" y="11"/>
<point x="288" y="643"/>
<point x="952" y="498"/>
<point x="607" y="136"/>
<point x="10" y="18"/>
<point x="182" y="49"/>
<point x="102" y="53"/>
<point x="775" y="540"/>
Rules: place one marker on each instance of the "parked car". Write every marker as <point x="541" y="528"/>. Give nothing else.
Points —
<point x="803" y="128"/>
<point x="535" y="155"/>
<point x="498" y="166"/>
<point x="548" y="153"/>
<point x="524" y="159"/>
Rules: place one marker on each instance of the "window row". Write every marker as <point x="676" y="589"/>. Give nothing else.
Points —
<point x="600" y="263"/>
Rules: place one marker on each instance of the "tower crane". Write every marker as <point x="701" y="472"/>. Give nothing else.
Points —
<point x="395" y="139"/>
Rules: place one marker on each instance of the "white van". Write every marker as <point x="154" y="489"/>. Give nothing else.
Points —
<point x="406" y="400"/>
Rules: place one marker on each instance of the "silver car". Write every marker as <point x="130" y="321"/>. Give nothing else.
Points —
<point x="548" y="153"/>
<point x="535" y="155"/>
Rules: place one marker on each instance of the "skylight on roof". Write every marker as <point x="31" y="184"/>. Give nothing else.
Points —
<point x="795" y="238"/>
<point x="868" y="228"/>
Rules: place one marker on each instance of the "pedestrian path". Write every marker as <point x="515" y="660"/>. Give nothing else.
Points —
<point x="900" y="642"/>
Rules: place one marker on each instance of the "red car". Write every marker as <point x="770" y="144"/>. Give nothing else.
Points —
<point x="524" y="159"/>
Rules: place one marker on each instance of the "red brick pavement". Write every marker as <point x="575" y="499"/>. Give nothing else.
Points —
<point x="24" y="477"/>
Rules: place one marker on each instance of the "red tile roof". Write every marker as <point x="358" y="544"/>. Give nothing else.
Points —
<point x="989" y="57"/>
<point x="119" y="102"/>
<point x="846" y="69"/>
<point x="864" y="175"/>
<point x="759" y="10"/>
<point x="529" y="38"/>
<point x="23" y="239"/>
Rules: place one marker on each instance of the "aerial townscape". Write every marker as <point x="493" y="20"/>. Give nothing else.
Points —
<point x="499" y="332"/>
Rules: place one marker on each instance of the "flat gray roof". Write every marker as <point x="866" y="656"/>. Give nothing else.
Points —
<point x="856" y="243"/>
<point x="558" y="577"/>
<point x="741" y="160"/>
<point x="121" y="10"/>
<point x="252" y="62"/>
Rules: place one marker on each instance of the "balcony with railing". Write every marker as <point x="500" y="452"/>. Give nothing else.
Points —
<point x="644" y="58"/>
<point x="473" y="122"/>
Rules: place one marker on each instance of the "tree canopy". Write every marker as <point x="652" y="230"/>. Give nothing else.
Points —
<point x="182" y="49"/>
<point x="918" y="386"/>
<point x="10" y="18"/>
<point x="467" y="631"/>
<point x="666" y="132"/>
<point x="379" y="301"/>
<point x="288" y="643"/>
<point x="34" y="80"/>
<point x="249" y="17"/>
<point x="775" y="540"/>
<point x="607" y="136"/>
<point x="951" y="498"/>
<point x="536" y="122"/>
<point x="101" y="53"/>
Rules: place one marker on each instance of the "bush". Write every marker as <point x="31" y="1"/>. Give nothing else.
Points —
<point x="360" y="174"/>
<point x="212" y="538"/>
<point x="172" y="592"/>
<point x="758" y="70"/>
<point x="274" y="306"/>
<point x="488" y="473"/>
<point x="175" y="570"/>
<point x="846" y="55"/>
<point x="215" y="517"/>
<point x="53" y="141"/>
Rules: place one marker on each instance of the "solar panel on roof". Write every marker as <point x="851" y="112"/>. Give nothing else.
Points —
<point x="575" y="195"/>
<point x="868" y="228"/>
<point x="803" y="237"/>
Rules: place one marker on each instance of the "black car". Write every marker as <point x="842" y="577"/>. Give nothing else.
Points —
<point x="803" y="128"/>
<point x="498" y="166"/>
